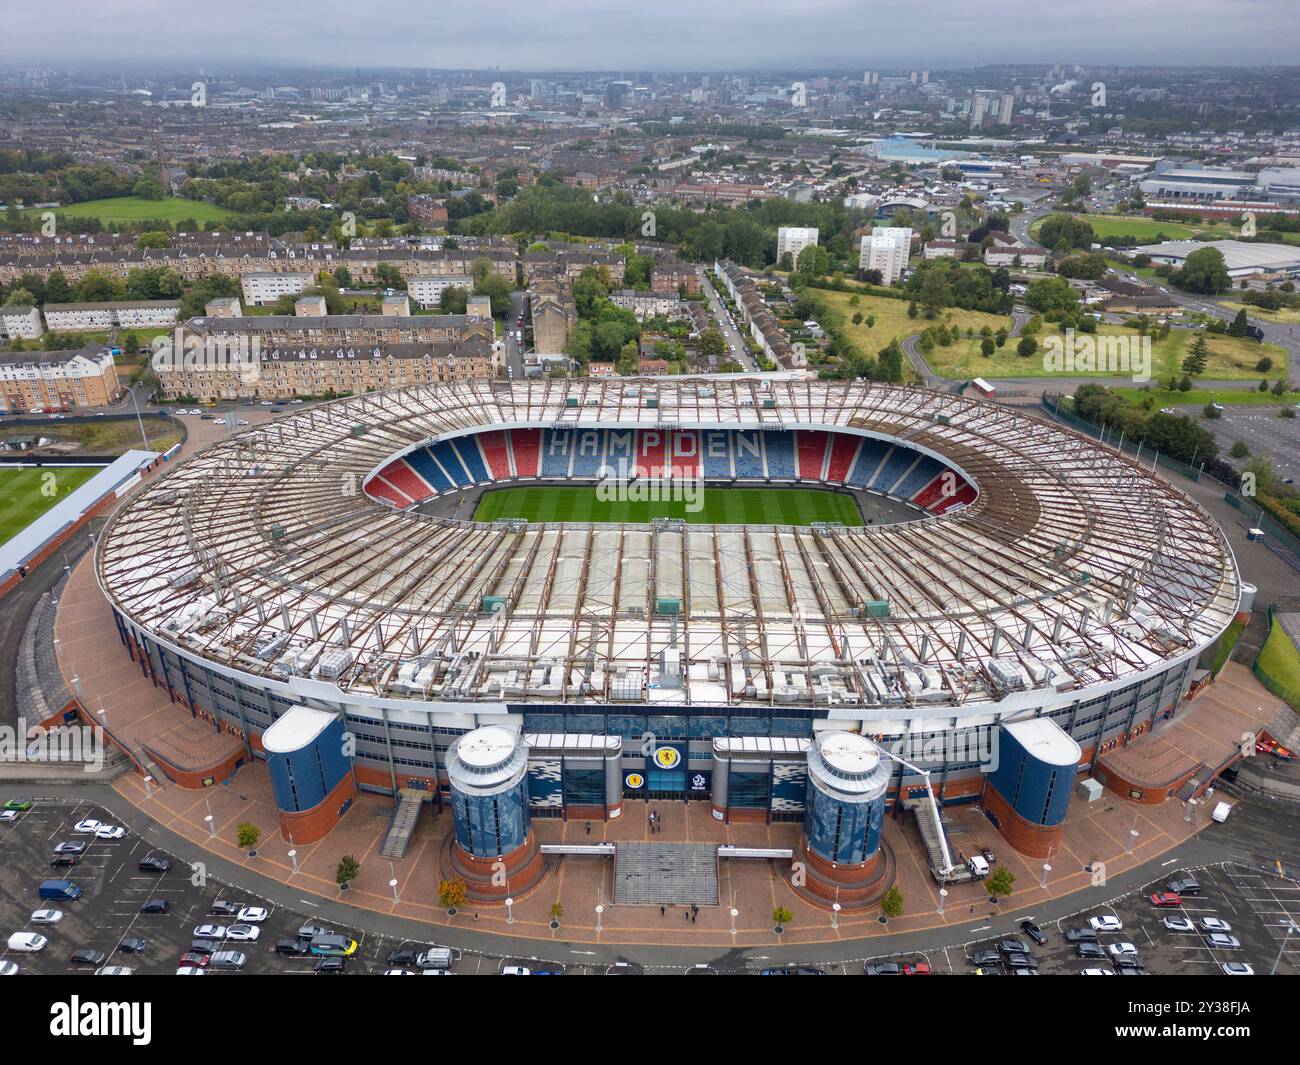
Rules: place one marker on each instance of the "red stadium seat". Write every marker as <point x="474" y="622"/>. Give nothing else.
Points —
<point x="527" y="446"/>
<point x="810" y="447"/>
<point x="843" y="450"/>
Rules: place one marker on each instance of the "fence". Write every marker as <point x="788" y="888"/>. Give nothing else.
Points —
<point x="1280" y="540"/>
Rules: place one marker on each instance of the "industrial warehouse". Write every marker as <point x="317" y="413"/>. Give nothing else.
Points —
<point x="1021" y="603"/>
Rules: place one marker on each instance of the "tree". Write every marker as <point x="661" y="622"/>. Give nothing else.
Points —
<point x="347" y="871"/>
<point x="453" y="300"/>
<point x="935" y="294"/>
<point x="1204" y="271"/>
<point x="1197" y="357"/>
<point x="1239" y="324"/>
<point x="148" y="188"/>
<point x="712" y="345"/>
<point x="1239" y="450"/>
<point x="987" y="347"/>
<point x="1026" y="347"/>
<point x="20" y="297"/>
<point x="889" y="363"/>
<point x="891" y="903"/>
<point x="556" y="911"/>
<point x="247" y="835"/>
<point x="1000" y="881"/>
<point x="781" y="916"/>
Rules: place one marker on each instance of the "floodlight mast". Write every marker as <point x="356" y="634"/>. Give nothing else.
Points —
<point x="929" y="791"/>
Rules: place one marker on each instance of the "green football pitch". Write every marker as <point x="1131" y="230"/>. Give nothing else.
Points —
<point x="715" y="506"/>
<point x="26" y="494"/>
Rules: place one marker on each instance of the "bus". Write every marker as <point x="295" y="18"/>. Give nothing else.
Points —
<point x="983" y="388"/>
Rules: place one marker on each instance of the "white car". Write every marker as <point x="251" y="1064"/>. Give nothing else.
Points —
<point x="8" y="817"/>
<point x="47" y="917"/>
<point x="516" y="970"/>
<point x="114" y="970"/>
<point x="190" y="970"/>
<point x="1123" y="950"/>
<point x="1107" y="922"/>
<point x="110" y="832"/>
<point x="8" y="968"/>
<point x="1238" y="968"/>
<point x="1095" y="972"/>
<point x="89" y="826"/>
<point x="253" y="915"/>
<point x="400" y="972"/>
<point x="1215" y="924"/>
<point x="1179" y="924"/>
<point x="243" y="933"/>
<point x="27" y="942"/>
<point x="210" y="931"/>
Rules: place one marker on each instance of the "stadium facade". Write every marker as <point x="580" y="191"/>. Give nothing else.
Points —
<point x="1038" y="577"/>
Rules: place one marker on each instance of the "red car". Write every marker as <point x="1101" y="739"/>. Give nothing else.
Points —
<point x="916" y="968"/>
<point x="1166" y="898"/>
<point x="199" y="961"/>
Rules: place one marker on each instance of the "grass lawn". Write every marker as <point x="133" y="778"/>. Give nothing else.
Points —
<point x="1285" y="315"/>
<point x="1225" y="645"/>
<point x="99" y="436"/>
<point x="1281" y="661"/>
<point x="892" y="320"/>
<point x="1230" y="358"/>
<point x="1162" y="397"/>
<point x="26" y="494"/>
<point x="1153" y="230"/>
<point x="126" y="209"/>
<point x="721" y="506"/>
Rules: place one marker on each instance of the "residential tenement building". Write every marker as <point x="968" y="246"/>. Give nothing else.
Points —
<point x="57" y="380"/>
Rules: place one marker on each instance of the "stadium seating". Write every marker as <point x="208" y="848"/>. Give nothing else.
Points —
<point x="894" y="468"/>
<point x="496" y="450"/>
<point x="810" y="447"/>
<point x="467" y="448"/>
<point x="869" y="456"/>
<point x="526" y="445"/>
<point x="843" y="451"/>
<point x="723" y="454"/>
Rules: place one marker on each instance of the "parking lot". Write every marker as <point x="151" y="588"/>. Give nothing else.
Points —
<point x="1263" y="431"/>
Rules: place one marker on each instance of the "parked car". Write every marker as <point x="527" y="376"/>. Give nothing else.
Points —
<point x="1185" y="886"/>
<point x="132" y="945"/>
<point x="8" y="817"/>
<point x="154" y="863"/>
<point x="204" y="946"/>
<point x="1013" y="945"/>
<point x="155" y="906"/>
<point x="47" y="916"/>
<point x="191" y="970"/>
<point x="210" y="931"/>
<point x="1080" y="935"/>
<point x="403" y="957"/>
<point x="310" y="931"/>
<point x="882" y="968"/>
<point x="228" y="959"/>
<point x="784" y="970"/>
<point x="294" y="948"/>
<point x="1106" y="922"/>
<point x="87" y="956"/>
<point x="917" y="968"/>
<point x="19" y="804"/>
<point x="1020" y="961"/>
<point x="1033" y="932"/>
<point x="1238" y="968"/>
<point x="1090" y="950"/>
<point x="243" y="933"/>
<point x="65" y="861"/>
<point x="397" y="972"/>
<point x="985" y="957"/>
<point x="8" y="968"/>
<point x="69" y="848"/>
<point x="253" y="914"/>
<point x="1222" y="940"/>
<point x="89" y="826"/>
<point x="329" y="965"/>
<point x="1123" y="950"/>
<point x="224" y="908"/>
<point x="1214" y="924"/>
<point x="1095" y="972"/>
<point x="195" y="960"/>
<point x="1166" y="898"/>
<point x="1179" y="924"/>
<point x="110" y="832"/>
<point x="27" y="942"/>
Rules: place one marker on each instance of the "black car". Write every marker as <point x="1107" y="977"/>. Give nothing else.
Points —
<point x="1187" y="886"/>
<point x="132" y="945"/>
<point x="1013" y="945"/>
<point x="63" y="861"/>
<point x="1090" y="950"/>
<point x="329" y="965"/>
<point x="1033" y="932"/>
<point x="1080" y="935"/>
<point x="87" y="956"/>
<point x="1031" y="971"/>
<point x="1131" y="970"/>
<point x="155" y="906"/>
<point x="225" y="908"/>
<point x="882" y="968"/>
<point x="1126" y="963"/>
<point x="402" y="959"/>
<point x="205" y="946"/>
<point x="1020" y="961"/>
<point x="153" y="863"/>
<point x="985" y="957"/>
<point x="293" y="948"/>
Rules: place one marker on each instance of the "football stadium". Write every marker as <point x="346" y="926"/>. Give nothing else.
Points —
<point x="792" y="599"/>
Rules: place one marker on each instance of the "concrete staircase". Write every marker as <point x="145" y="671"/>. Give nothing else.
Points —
<point x="406" y="815"/>
<point x="930" y="826"/>
<point x="666" y="874"/>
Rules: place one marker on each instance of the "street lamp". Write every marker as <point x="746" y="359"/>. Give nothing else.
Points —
<point x="510" y="911"/>
<point x="1132" y="839"/>
<point x="212" y="828"/>
<point x="293" y="858"/>
<point x="943" y="894"/>
<point x="148" y="787"/>
<point x="1046" y="869"/>
<point x="835" y="914"/>
<point x="734" y="914"/>
<point x="599" y="911"/>
<point x="393" y="884"/>
<point x="1290" y="927"/>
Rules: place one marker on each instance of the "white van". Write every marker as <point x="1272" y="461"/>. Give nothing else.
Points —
<point x="978" y="866"/>
<point x="1221" y="812"/>
<point x="27" y="942"/>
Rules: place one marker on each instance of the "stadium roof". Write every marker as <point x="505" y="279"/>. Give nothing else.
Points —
<point x="1073" y="567"/>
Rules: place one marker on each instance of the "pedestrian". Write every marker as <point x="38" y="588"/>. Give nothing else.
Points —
<point x="694" y="916"/>
<point x="588" y="824"/>
<point x="662" y="911"/>
<point x="687" y="914"/>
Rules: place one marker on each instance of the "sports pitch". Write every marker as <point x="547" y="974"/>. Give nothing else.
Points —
<point x="23" y="496"/>
<point x="715" y="506"/>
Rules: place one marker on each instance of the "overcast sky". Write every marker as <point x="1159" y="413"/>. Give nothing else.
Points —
<point x="656" y="34"/>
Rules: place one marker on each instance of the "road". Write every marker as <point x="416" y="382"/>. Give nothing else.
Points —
<point x="735" y="342"/>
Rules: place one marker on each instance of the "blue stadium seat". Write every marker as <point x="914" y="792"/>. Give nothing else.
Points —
<point x="715" y="450"/>
<point x="749" y="458"/>
<point x="780" y="455"/>
<point x="917" y="477"/>
<point x="869" y="456"/>
<point x="467" y="448"/>
<point x="422" y="462"/>
<point x="450" y="459"/>
<point x="593" y="442"/>
<point x="555" y="452"/>
<point x="899" y="460"/>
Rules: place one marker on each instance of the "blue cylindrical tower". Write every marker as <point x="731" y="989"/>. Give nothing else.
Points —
<point x="845" y="806"/>
<point x="487" y="770"/>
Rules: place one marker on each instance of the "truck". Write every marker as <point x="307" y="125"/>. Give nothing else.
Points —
<point x="61" y="890"/>
<point x="978" y="866"/>
<point x="1220" y="812"/>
